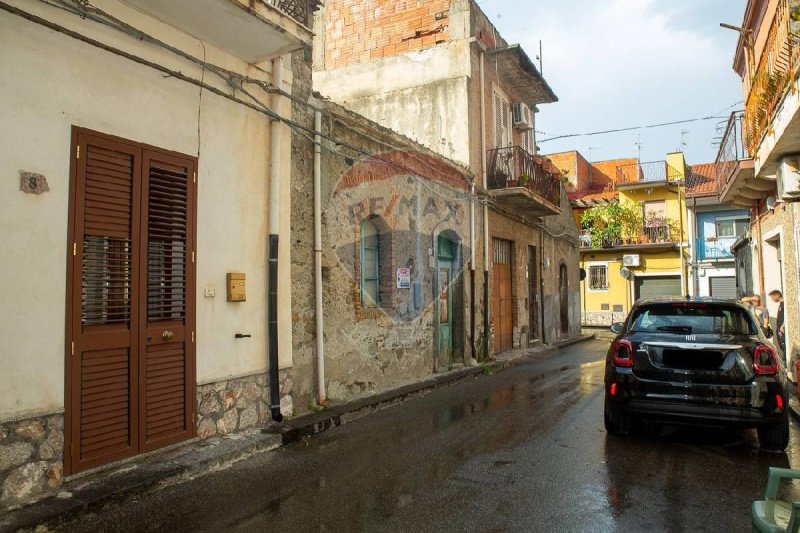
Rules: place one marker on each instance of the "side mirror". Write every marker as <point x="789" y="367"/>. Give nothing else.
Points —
<point x="767" y="332"/>
<point x="617" y="327"/>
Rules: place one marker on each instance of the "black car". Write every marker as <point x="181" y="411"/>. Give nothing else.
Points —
<point x="696" y="361"/>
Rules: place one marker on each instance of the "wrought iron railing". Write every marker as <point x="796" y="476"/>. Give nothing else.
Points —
<point x="300" y="10"/>
<point x="732" y="149"/>
<point x="774" y="74"/>
<point x="644" y="172"/>
<point x="514" y="167"/>
<point x="715" y="249"/>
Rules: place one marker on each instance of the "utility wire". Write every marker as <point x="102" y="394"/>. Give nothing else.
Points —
<point x="715" y="116"/>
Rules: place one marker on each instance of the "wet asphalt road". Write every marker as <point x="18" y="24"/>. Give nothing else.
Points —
<point x="521" y="450"/>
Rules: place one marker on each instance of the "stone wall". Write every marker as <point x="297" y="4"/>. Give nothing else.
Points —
<point x="601" y="318"/>
<point x="781" y="218"/>
<point x="412" y="196"/>
<point x="239" y="404"/>
<point x="31" y="458"/>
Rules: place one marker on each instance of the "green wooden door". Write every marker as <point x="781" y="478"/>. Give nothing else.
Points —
<point x="445" y="300"/>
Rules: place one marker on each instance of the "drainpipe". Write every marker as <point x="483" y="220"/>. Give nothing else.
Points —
<point x="274" y="230"/>
<point x="485" y="209"/>
<point x="760" y="252"/>
<point x="318" y="317"/>
<point x="472" y="270"/>
<point x="681" y="207"/>
<point x="541" y="285"/>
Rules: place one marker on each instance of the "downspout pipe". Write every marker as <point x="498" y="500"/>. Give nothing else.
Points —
<point x="541" y="286"/>
<point x="472" y="270"/>
<point x="274" y="231"/>
<point x="485" y="208"/>
<point x="322" y="397"/>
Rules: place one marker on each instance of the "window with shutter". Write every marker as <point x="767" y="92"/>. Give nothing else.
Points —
<point x="502" y="121"/>
<point x="130" y="367"/>
<point x="370" y="264"/>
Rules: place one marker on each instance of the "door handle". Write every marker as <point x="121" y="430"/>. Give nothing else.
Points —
<point x="167" y="335"/>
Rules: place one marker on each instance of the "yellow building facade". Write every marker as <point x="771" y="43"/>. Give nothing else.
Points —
<point x="634" y="234"/>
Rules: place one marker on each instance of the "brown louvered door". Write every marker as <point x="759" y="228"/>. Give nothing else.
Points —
<point x="167" y="370"/>
<point x="105" y="271"/>
<point x="129" y="386"/>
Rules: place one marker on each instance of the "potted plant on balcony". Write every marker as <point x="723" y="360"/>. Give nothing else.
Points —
<point x="611" y="225"/>
<point x="524" y="179"/>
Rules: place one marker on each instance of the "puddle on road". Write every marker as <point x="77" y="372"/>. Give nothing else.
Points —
<point x="387" y="463"/>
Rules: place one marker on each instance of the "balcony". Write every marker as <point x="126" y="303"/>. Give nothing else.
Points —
<point x="773" y="76"/>
<point x="639" y="175"/>
<point x="648" y="237"/>
<point x="714" y="250"/>
<point x="523" y="182"/>
<point x="300" y="10"/>
<point x="734" y="168"/>
<point x="252" y="30"/>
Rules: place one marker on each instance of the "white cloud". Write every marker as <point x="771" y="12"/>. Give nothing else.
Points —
<point x="617" y="63"/>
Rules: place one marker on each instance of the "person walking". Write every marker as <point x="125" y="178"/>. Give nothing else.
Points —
<point x="780" y="321"/>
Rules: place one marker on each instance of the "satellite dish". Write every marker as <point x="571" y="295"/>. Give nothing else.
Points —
<point x="625" y="272"/>
<point x="771" y="201"/>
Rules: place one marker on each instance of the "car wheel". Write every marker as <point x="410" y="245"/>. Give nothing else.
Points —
<point x="775" y="437"/>
<point x="616" y="423"/>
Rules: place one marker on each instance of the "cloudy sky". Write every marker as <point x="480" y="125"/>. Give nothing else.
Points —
<point x="620" y="63"/>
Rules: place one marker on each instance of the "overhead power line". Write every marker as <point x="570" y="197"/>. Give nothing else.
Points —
<point x="715" y="116"/>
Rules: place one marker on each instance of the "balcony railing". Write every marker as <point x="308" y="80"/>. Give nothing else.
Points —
<point x="300" y="10"/>
<point x="514" y="167"/>
<point x="773" y="75"/>
<point x="647" y="172"/>
<point x="732" y="149"/>
<point x="661" y="234"/>
<point x="714" y="250"/>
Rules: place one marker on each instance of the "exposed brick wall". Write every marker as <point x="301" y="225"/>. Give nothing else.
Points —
<point x="357" y="31"/>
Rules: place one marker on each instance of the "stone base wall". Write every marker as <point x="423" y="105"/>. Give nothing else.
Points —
<point x="32" y="449"/>
<point x="239" y="404"/>
<point x="601" y="318"/>
<point x="31" y="458"/>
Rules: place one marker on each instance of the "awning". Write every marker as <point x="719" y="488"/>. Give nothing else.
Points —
<point x="520" y="77"/>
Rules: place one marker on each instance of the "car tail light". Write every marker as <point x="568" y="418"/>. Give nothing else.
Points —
<point x="623" y="353"/>
<point x="612" y="390"/>
<point x="765" y="362"/>
<point x="778" y="402"/>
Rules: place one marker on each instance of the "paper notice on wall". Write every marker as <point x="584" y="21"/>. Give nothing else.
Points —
<point x="403" y="278"/>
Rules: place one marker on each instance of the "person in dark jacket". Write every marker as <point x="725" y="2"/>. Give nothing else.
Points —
<point x="780" y="321"/>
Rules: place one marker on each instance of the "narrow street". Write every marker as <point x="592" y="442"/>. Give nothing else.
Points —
<point x="521" y="450"/>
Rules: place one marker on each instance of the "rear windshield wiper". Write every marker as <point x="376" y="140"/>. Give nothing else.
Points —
<point x="675" y="329"/>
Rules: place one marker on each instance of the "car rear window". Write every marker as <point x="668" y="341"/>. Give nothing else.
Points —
<point x="688" y="319"/>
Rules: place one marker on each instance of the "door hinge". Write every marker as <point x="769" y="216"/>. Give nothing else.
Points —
<point x="73" y="347"/>
<point x="194" y="177"/>
<point x="192" y="257"/>
<point x="74" y="248"/>
<point x="78" y="152"/>
<point x="193" y="337"/>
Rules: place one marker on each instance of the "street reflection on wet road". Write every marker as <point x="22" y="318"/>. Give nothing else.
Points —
<point x="521" y="450"/>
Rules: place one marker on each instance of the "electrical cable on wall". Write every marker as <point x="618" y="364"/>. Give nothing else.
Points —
<point x="235" y="81"/>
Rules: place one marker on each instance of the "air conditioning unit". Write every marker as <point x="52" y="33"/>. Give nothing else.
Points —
<point x="631" y="260"/>
<point x="789" y="178"/>
<point x="523" y="118"/>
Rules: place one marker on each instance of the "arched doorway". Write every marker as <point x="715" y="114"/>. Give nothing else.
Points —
<point x="563" y="287"/>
